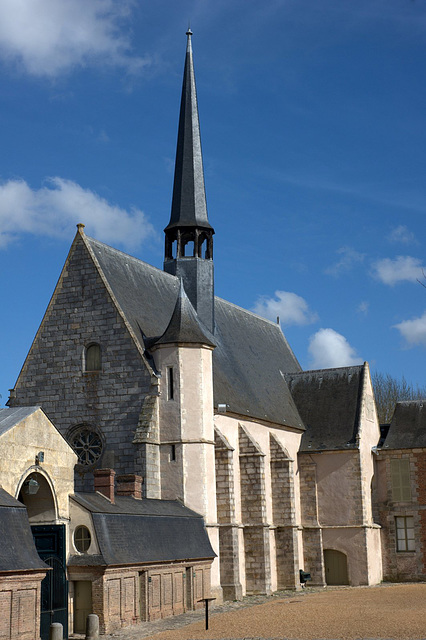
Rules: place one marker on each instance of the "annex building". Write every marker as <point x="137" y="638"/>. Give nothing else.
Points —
<point x="162" y="445"/>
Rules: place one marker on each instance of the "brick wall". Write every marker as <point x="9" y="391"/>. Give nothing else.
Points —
<point x="109" y="400"/>
<point x="124" y="596"/>
<point x="20" y="606"/>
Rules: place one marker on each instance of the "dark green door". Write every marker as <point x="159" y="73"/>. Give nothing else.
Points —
<point x="50" y="544"/>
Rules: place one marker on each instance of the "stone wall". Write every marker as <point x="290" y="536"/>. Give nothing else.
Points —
<point x="19" y="448"/>
<point x="283" y="514"/>
<point x="312" y="535"/>
<point x="420" y="469"/>
<point x="226" y="517"/>
<point x="108" y="401"/>
<point x="403" y="565"/>
<point x="253" y="513"/>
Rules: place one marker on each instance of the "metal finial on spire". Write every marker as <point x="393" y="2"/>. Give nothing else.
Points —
<point x="189" y="41"/>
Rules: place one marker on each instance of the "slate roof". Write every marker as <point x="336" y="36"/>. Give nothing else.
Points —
<point x="184" y="325"/>
<point x="328" y="401"/>
<point x="407" y="429"/>
<point x="17" y="549"/>
<point x="13" y="416"/>
<point x="251" y="356"/>
<point x="189" y="206"/>
<point x="143" y="531"/>
<point x="126" y="505"/>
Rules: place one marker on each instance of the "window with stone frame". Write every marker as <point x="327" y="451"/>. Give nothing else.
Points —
<point x="93" y="358"/>
<point x="405" y="533"/>
<point x="170" y="384"/>
<point x="87" y="444"/>
<point x="82" y="539"/>
<point x="400" y="479"/>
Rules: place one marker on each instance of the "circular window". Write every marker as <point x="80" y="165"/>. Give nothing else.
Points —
<point x="82" y="539"/>
<point x="87" y="444"/>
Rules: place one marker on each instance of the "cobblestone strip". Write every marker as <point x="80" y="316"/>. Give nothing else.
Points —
<point x="146" y="629"/>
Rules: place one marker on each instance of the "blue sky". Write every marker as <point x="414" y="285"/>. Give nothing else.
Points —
<point x="313" y="124"/>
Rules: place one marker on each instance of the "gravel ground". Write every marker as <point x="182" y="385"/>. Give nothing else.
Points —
<point x="390" y="612"/>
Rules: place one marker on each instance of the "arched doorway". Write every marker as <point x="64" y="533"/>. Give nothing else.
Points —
<point x="49" y="538"/>
<point x="336" y="567"/>
<point x="37" y="496"/>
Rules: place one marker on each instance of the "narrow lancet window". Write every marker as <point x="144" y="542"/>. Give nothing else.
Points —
<point x="93" y="358"/>
<point x="170" y="384"/>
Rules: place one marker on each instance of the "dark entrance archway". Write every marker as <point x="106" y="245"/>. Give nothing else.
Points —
<point x="50" y="544"/>
<point x="49" y="539"/>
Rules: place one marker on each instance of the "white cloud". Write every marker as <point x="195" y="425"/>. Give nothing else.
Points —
<point x="330" y="349"/>
<point x="291" y="309"/>
<point x="48" y="37"/>
<point x="402" y="268"/>
<point x="363" y="307"/>
<point x="56" y="208"/>
<point x="413" y="331"/>
<point x="349" y="258"/>
<point x="402" y="235"/>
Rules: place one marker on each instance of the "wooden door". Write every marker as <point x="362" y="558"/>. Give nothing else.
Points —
<point x="336" y="567"/>
<point x="82" y="604"/>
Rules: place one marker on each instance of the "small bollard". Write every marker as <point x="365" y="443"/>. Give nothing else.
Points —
<point x="92" y="627"/>
<point x="56" y="631"/>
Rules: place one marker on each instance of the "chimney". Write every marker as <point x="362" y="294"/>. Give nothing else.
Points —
<point x="104" y="482"/>
<point x="130" y="485"/>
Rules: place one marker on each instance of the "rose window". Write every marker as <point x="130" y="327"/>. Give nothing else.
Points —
<point x="88" y="446"/>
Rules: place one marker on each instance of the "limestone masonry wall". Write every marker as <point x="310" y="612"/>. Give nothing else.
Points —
<point x="110" y="400"/>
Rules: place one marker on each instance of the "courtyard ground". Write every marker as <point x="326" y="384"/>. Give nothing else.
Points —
<point x="388" y="611"/>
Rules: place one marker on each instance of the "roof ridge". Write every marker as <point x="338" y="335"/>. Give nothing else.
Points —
<point x="128" y="255"/>
<point x="114" y="300"/>
<point x="359" y="367"/>
<point x="252" y="313"/>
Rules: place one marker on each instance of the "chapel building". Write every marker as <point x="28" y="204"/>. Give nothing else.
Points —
<point x="168" y="446"/>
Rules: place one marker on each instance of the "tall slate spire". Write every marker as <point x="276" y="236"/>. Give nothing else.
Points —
<point x="189" y="235"/>
<point x="189" y="206"/>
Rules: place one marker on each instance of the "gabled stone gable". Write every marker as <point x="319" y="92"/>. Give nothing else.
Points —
<point x="81" y="312"/>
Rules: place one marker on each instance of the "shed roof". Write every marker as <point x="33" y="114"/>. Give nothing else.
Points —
<point x="17" y="549"/>
<point x="407" y="429"/>
<point x="143" y="531"/>
<point x="328" y="401"/>
<point x="127" y="505"/>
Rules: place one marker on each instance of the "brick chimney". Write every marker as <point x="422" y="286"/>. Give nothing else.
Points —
<point x="104" y="482"/>
<point x="129" y="485"/>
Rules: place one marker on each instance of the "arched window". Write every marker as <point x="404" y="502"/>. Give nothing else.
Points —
<point x="93" y="358"/>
